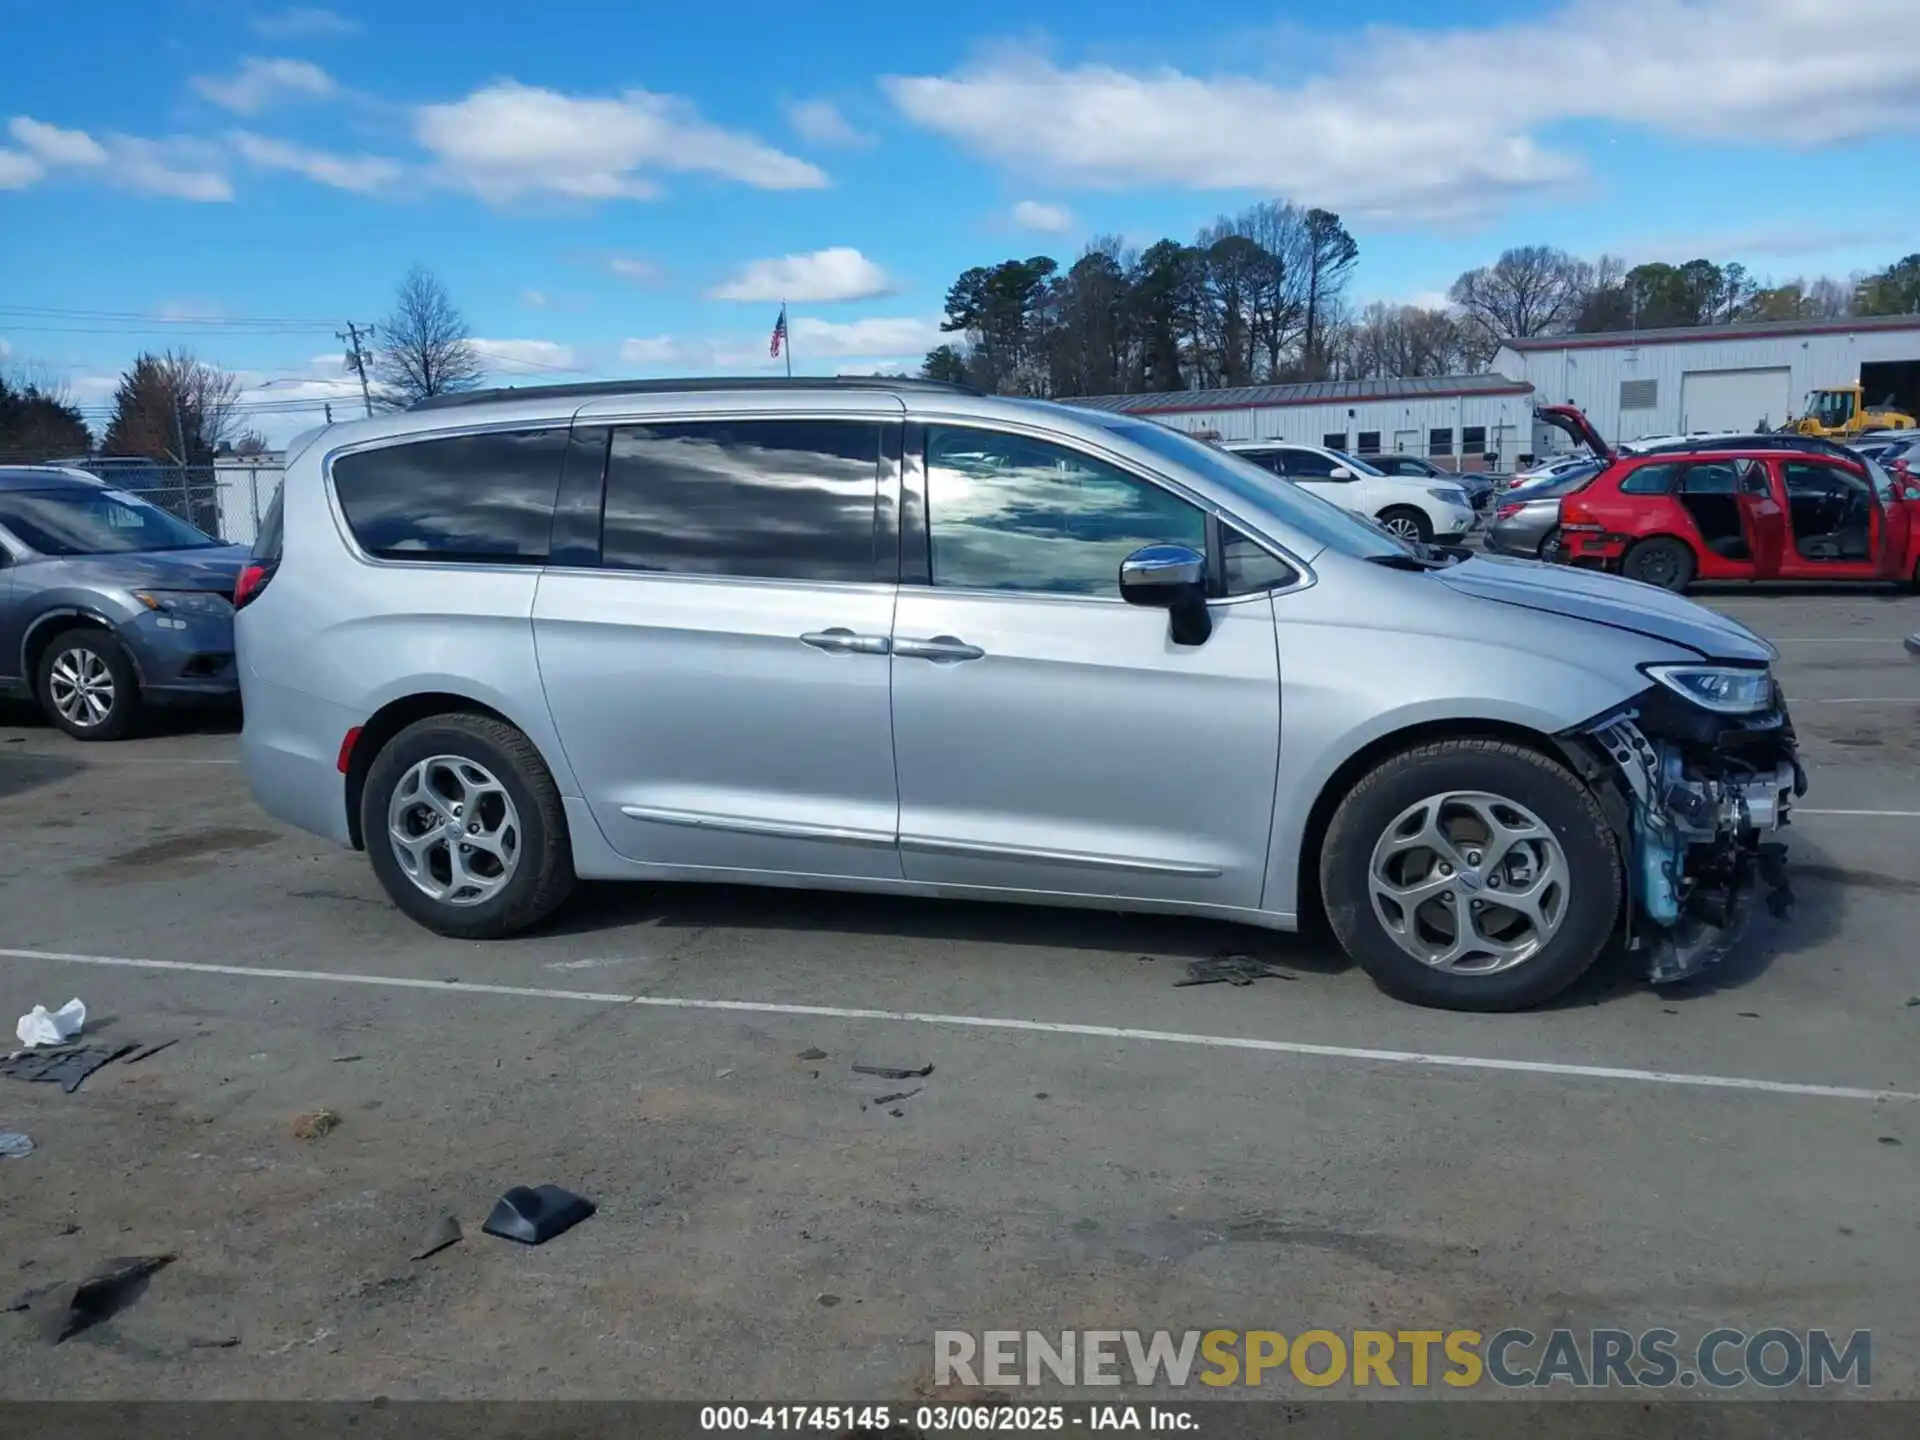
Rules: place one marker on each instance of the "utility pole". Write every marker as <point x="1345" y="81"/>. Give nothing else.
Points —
<point x="356" y="359"/>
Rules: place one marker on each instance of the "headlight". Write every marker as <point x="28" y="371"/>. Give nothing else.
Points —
<point x="185" y="602"/>
<point x="1724" y="689"/>
<point x="1448" y="494"/>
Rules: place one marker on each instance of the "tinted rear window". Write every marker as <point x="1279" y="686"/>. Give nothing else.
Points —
<point x="469" y="498"/>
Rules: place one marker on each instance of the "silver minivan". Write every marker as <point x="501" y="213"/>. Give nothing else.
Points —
<point x="900" y="637"/>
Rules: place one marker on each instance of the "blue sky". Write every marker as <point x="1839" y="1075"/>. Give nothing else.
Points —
<point x="630" y="189"/>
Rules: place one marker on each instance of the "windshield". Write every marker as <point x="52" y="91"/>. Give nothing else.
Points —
<point x="76" y="521"/>
<point x="1318" y="519"/>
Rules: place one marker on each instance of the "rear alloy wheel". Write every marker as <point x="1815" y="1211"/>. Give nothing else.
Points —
<point x="88" y="686"/>
<point x="1471" y="875"/>
<point x="465" y="829"/>
<point x="1406" y="523"/>
<point x="1661" y="561"/>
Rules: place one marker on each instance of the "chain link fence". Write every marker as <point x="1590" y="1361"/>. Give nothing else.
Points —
<point x="225" y="499"/>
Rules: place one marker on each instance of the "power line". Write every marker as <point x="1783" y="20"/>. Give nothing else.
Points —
<point x="358" y="361"/>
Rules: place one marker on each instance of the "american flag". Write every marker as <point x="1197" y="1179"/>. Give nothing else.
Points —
<point x="779" y="334"/>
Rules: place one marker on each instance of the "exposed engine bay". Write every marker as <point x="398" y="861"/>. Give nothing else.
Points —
<point x="1704" y="793"/>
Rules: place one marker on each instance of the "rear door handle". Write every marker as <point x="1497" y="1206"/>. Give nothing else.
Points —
<point x="841" y="641"/>
<point x="941" y="649"/>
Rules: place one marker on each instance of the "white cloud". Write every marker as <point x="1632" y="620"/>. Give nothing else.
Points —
<point x="534" y="299"/>
<point x="819" y="122"/>
<point x="839" y="272"/>
<point x="521" y="356"/>
<point x="1367" y="135"/>
<point x="1039" y="216"/>
<point x="632" y="267"/>
<point x="260" y="83"/>
<point x="53" y="146"/>
<point x="508" y="141"/>
<point x="1781" y="242"/>
<point x="360" y="173"/>
<point x="304" y="22"/>
<point x="181" y="168"/>
<point x="18" y="171"/>
<point x="877" y="338"/>
<point x="655" y="350"/>
<point x="5" y="349"/>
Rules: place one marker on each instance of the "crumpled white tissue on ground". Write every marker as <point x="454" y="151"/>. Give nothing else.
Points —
<point x="41" y="1028"/>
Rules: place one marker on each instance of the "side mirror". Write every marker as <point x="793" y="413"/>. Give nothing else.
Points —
<point x="1171" y="578"/>
<point x="1340" y="472"/>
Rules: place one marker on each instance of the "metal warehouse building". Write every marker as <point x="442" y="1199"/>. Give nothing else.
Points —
<point x="1469" y="422"/>
<point x="1716" y="377"/>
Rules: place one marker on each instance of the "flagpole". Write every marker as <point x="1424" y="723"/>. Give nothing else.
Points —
<point x="787" y="348"/>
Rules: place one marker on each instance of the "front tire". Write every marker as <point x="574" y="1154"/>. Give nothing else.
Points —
<point x="1661" y="561"/>
<point x="1471" y="874"/>
<point x="465" y="829"/>
<point x="87" y="685"/>
<point x="1407" y="523"/>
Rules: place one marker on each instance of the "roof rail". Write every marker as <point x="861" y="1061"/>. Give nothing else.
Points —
<point x="591" y="389"/>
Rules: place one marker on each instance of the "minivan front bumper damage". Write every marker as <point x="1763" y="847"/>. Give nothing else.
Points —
<point x="1704" y="797"/>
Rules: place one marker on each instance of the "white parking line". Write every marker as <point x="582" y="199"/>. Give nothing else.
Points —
<point x="1796" y="701"/>
<point x="985" y="1022"/>
<point x="1836" y="639"/>
<point x="1878" y="814"/>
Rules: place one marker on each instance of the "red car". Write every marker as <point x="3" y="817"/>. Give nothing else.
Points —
<point x="1743" y="507"/>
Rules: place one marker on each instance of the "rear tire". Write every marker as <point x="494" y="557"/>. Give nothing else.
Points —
<point x="483" y="850"/>
<point x="1407" y="522"/>
<point x="87" y="685"/>
<point x="1524" y="790"/>
<point x="1662" y="561"/>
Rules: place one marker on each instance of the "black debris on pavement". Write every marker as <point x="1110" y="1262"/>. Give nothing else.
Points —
<point x="67" y="1066"/>
<point x="894" y="1072"/>
<point x="149" y="1051"/>
<point x="902" y="1095"/>
<point x="1748" y="1014"/>
<point x="104" y="1294"/>
<point x="1231" y="969"/>
<point x="828" y="1300"/>
<point x="1889" y="1140"/>
<point x="897" y="1113"/>
<point x="1913" y="1002"/>
<point x="443" y="1232"/>
<point x="812" y="1052"/>
<point x="533" y="1215"/>
<point x="349" y="1059"/>
<point x="225" y="1342"/>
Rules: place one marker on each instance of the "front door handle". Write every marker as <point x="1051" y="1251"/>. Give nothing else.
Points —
<point x="841" y="641"/>
<point x="941" y="649"/>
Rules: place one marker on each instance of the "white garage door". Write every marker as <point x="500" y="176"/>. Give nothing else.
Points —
<point x="1735" y="399"/>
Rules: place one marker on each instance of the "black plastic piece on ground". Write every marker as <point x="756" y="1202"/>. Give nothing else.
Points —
<point x="894" y="1072"/>
<point x="443" y="1232"/>
<point x="66" y="1067"/>
<point x="107" y="1292"/>
<point x="534" y="1215"/>
<point x="1232" y="969"/>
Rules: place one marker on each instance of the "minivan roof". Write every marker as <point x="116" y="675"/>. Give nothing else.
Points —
<point x="46" y="477"/>
<point x="602" y="389"/>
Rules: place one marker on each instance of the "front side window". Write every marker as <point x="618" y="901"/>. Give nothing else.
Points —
<point x="752" y="499"/>
<point x="1250" y="566"/>
<point x="1008" y="513"/>
<point x="83" y="521"/>
<point x="1717" y="478"/>
<point x="467" y="499"/>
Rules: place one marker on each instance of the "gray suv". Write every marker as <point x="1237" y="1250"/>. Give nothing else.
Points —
<point x="108" y="604"/>
<point x="899" y="637"/>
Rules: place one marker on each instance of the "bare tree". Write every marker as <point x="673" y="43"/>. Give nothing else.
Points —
<point x="172" y="408"/>
<point x="1530" y="290"/>
<point x="425" y="349"/>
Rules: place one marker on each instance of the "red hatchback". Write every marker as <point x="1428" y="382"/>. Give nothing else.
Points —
<point x="1756" y="507"/>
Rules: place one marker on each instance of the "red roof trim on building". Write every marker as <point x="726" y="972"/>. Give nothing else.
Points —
<point x="1519" y="387"/>
<point x="1695" y="334"/>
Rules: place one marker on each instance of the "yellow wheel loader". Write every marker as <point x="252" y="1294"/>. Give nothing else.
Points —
<point x="1839" y="412"/>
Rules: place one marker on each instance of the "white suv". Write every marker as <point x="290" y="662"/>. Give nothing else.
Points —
<point x="1413" y="509"/>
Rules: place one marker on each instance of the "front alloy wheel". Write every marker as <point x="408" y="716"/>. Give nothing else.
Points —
<point x="1469" y="883"/>
<point x="87" y="685"/>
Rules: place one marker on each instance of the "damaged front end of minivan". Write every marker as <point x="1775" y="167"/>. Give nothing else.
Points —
<point x="1698" y="774"/>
